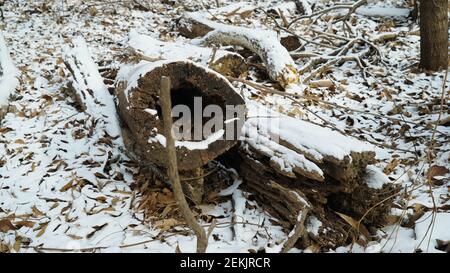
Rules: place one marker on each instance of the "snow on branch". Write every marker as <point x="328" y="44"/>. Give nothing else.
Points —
<point x="8" y="77"/>
<point x="222" y="61"/>
<point x="280" y="65"/>
<point x="88" y="85"/>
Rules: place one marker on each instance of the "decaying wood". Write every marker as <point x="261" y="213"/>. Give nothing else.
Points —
<point x="191" y="28"/>
<point x="341" y="189"/>
<point x="172" y="169"/>
<point x="8" y="77"/>
<point x="297" y="232"/>
<point x="89" y="90"/>
<point x="224" y="62"/>
<point x="138" y="104"/>
<point x="280" y="66"/>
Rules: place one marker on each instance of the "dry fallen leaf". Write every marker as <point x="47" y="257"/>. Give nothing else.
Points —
<point x="6" y="225"/>
<point x="177" y="249"/>
<point x="165" y="224"/>
<point x="391" y="166"/>
<point x="28" y="224"/>
<point x="355" y="224"/>
<point x="436" y="170"/>
<point x="96" y="228"/>
<point x="66" y="186"/>
<point x="36" y="212"/>
<point x="17" y="244"/>
<point x="42" y="228"/>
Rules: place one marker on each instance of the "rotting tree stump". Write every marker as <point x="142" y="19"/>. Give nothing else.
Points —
<point x="142" y="127"/>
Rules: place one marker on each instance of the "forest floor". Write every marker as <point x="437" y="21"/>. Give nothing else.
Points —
<point x="55" y="194"/>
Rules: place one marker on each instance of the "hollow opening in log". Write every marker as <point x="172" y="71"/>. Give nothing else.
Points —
<point x="139" y="109"/>
<point x="192" y="97"/>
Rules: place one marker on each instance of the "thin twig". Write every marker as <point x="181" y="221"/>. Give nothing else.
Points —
<point x="172" y="168"/>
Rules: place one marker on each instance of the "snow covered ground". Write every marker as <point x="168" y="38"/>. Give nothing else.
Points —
<point x="58" y="195"/>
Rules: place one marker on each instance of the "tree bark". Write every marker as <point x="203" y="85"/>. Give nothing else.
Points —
<point x="433" y="34"/>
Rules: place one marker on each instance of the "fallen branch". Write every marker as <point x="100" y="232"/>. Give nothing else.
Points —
<point x="89" y="90"/>
<point x="8" y="77"/>
<point x="297" y="232"/>
<point x="147" y="48"/>
<point x="280" y="66"/>
<point x="172" y="169"/>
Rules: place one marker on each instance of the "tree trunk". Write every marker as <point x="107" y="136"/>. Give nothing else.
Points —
<point x="433" y="34"/>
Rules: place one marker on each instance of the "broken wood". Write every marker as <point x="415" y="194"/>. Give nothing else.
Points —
<point x="281" y="161"/>
<point x="280" y="66"/>
<point x="8" y="77"/>
<point x="224" y="62"/>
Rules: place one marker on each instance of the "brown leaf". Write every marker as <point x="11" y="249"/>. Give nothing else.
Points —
<point x="4" y="248"/>
<point x="74" y="237"/>
<point x="390" y="167"/>
<point x="100" y="175"/>
<point x="436" y="170"/>
<point x="36" y="212"/>
<point x="177" y="249"/>
<point x="101" y="199"/>
<point x="6" y="130"/>
<point x="96" y="228"/>
<point x="19" y="141"/>
<point x="355" y="224"/>
<point x="17" y="244"/>
<point x="42" y="228"/>
<point x="66" y="186"/>
<point x="28" y="224"/>
<point x="165" y="224"/>
<point x="6" y="225"/>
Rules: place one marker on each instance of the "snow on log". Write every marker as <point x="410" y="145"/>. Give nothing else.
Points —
<point x="224" y="62"/>
<point x="280" y="156"/>
<point x="88" y="87"/>
<point x="280" y="66"/>
<point x="137" y="90"/>
<point x="8" y="77"/>
<point x="304" y="148"/>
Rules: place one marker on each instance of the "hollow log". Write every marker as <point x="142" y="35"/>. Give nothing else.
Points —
<point x="8" y="77"/>
<point x="280" y="66"/>
<point x="269" y="155"/>
<point x="193" y="86"/>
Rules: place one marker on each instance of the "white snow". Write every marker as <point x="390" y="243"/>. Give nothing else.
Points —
<point x="381" y="11"/>
<point x="190" y="145"/>
<point x="310" y="138"/>
<point x="8" y="74"/>
<point x="313" y="225"/>
<point x="375" y="178"/>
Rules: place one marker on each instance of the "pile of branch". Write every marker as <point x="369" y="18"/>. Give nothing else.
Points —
<point x="8" y="77"/>
<point x="301" y="173"/>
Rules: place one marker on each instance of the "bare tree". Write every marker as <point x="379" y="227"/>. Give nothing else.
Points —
<point x="433" y="34"/>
